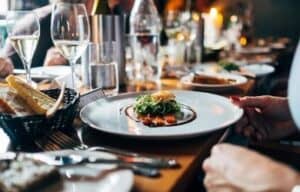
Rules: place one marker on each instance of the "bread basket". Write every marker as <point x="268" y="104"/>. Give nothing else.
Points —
<point x="35" y="126"/>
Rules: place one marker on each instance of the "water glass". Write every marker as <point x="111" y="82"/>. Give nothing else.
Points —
<point x="103" y="67"/>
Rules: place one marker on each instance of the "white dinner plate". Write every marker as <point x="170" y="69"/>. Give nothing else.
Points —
<point x="91" y="177"/>
<point x="187" y="82"/>
<point x="213" y="112"/>
<point x="259" y="70"/>
<point x="55" y="71"/>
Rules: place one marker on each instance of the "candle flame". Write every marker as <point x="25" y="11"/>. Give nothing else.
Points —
<point x="234" y="18"/>
<point x="213" y="12"/>
<point x="243" y="41"/>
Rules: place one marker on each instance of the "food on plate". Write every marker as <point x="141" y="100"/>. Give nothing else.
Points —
<point x="157" y="109"/>
<point x="211" y="80"/>
<point x="228" y="65"/>
<point x="25" y="174"/>
<point x="19" y="98"/>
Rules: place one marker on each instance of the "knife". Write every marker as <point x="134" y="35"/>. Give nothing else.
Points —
<point x="72" y="160"/>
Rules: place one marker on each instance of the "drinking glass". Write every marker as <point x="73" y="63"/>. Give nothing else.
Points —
<point x="23" y="38"/>
<point x="172" y="24"/>
<point x="103" y="67"/>
<point x="70" y="32"/>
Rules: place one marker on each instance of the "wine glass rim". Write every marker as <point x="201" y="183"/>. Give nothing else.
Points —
<point x="23" y="12"/>
<point x="69" y="4"/>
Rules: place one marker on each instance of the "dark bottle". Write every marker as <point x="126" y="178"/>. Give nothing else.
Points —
<point x="101" y="7"/>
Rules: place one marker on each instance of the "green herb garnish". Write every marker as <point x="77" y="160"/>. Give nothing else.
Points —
<point x="229" y="66"/>
<point x="146" y="105"/>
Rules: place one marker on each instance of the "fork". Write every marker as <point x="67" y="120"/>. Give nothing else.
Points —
<point x="59" y="140"/>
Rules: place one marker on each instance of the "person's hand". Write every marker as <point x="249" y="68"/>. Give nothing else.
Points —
<point x="233" y="168"/>
<point x="6" y="67"/>
<point x="266" y="117"/>
<point x="54" y="57"/>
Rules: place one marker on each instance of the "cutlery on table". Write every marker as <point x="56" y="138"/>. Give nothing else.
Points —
<point x="60" y="140"/>
<point x="76" y="159"/>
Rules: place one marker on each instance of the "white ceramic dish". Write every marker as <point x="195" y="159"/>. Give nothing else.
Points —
<point x="259" y="70"/>
<point x="213" y="112"/>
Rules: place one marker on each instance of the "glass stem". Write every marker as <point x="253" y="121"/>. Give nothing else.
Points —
<point x="73" y="73"/>
<point x="188" y="54"/>
<point x="28" y="71"/>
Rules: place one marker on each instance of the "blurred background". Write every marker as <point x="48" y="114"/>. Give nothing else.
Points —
<point x="276" y="18"/>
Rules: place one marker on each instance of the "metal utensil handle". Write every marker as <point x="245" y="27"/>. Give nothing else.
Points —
<point x="137" y="169"/>
<point x="135" y="158"/>
<point x="144" y="171"/>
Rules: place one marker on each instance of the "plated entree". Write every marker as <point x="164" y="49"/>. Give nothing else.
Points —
<point x="157" y="109"/>
<point x="212" y="80"/>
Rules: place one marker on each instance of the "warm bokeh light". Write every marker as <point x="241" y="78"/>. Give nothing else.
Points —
<point x="233" y="19"/>
<point x="195" y="16"/>
<point x="213" y="12"/>
<point x="243" y="41"/>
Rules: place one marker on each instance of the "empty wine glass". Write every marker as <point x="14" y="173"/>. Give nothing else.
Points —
<point x="70" y="32"/>
<point x="172" y="24"/>
<point x="24" y="39"/>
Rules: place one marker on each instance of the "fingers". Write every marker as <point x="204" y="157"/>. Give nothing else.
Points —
<point x="219" y="167"/>
<point x="6" y="67"/>
<point x="241" y="124"/>
<point x="54" y="57"/>
<point x="259" y="129"/>
<point x="255" y="102"/>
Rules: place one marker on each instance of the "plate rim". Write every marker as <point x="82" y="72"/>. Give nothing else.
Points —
<point x="157" y="137"/>
<point x="272" y="69"/>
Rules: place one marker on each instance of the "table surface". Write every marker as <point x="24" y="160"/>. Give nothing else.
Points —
<point x="190" y="153"/>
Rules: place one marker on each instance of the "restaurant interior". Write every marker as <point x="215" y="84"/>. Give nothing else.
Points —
<point x="149" y="95"/>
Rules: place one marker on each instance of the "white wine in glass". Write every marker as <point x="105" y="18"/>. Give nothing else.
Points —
<point x="24" y="45"/>
<point x="24" y="40"/>
<point x="70" y="32"/>
<point x="70" y="49"/>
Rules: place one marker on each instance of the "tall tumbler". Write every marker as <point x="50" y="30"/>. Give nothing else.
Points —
<point x="107" y="28"/>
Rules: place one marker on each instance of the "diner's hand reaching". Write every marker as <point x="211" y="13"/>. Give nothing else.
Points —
<point x="266" y="117"/>
<point x="54" y="57"/>
<point x="6" y="67"/>
<point x="233" y="168"/>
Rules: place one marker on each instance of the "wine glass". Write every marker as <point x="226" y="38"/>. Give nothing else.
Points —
<point x="23" y="38"/>
<point x="172" y="24"/>
<point x="70" y="32"/>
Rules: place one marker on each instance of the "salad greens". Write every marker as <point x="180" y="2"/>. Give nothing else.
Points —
<point x="229" y="66"/>
<point x="146" y="105"/>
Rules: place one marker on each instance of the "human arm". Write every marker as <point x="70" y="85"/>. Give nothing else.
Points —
<point x="266" y="117"/>
<point x="234" y="168"/>
<point x="54" y="57"/>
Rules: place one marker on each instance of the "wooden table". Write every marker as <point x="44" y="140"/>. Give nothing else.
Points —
<point x="190" y="153"/>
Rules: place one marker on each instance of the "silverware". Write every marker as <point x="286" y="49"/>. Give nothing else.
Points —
<point x="75" y="159"/>
<point x="59" y="140"/>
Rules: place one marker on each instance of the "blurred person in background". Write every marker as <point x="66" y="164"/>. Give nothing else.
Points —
<point x="45" y="54"/>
